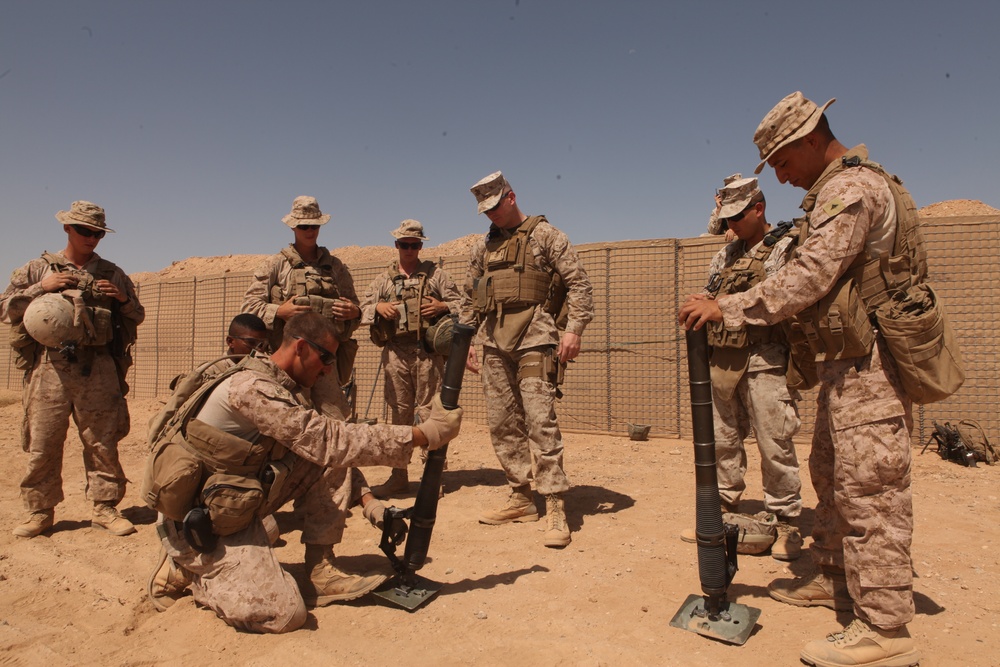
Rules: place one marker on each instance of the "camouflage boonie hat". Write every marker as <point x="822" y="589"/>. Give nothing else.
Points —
<point x="409" y="229"/>
<point x="792" y="118"/>
<point x="305" y="211"/>
<point x="489" y="190"/>
<point x="757" y="531"/>
<point x="737" y="196"/>
<point x="86" y="214"/>
<point x="730" y="179"/>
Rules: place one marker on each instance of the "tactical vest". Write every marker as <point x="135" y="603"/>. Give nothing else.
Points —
<point x="407" y="293"/>
<point x="512" y="287"/>
<point x="189" y="457"/>
<point x="839" y="326"/>
<point x="311" y="286"/>
<point x="738" y="277"/>
<point x="112" y="332"/>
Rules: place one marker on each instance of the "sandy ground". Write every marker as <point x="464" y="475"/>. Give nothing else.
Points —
<point x="76" y="595"/>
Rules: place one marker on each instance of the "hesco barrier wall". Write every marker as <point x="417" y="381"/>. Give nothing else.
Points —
<point x="632" y="368"/>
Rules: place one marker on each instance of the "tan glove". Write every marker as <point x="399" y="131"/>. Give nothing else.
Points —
<point x="374" y="511"/>
<point x="442" y="425"/>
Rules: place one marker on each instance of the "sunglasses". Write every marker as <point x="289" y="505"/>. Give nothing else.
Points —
<point x="739" y="216"/>
<point x="254" y="343"/>
<point x="307" y="228"/>
<point x="88" y="232"/>
<point x="416" y="245"/>
<point x="327" y="357"/>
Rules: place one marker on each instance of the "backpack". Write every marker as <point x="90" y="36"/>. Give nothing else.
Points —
<point x="965" y="444"/>
<point x="974" y="438"/>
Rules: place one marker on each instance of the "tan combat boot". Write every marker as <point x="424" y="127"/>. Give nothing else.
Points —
<point x="328" y="584"/>
<point x="108" y="517"/>
<point x="862" y="644"/>
<point x="557" y="535"/>
<point x="398" y="484"/>
<point x="826" y="588"/>
<point x="37" y="523"/>
<point x="520" y="508"/>
<point x="788" y="546"/>
<point x="167" y="583"/>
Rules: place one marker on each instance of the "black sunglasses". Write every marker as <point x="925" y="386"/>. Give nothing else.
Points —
<point x="307" y="228"/>
<point x="88" y="232"/>
<point x="739" y="216"/>
<point x="327" y="357"/>
<point x="416" y="245"/>
<point x="254" y="343"/>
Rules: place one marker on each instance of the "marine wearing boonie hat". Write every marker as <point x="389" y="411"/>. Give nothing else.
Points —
<point x="736" y="196"/>
<point x="409" y="229"/>
<point x="305" y="211"/>
<point x="489" y="190"/>
<point x="792" y="118"/>
<point x="85" y="213"/>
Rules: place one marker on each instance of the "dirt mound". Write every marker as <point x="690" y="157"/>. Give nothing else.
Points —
<point x="352" y="255"/>
<point x="956" y="208"/>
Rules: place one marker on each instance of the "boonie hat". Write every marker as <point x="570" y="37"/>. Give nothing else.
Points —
<point x="409" y="229"/>
<point x="85" y="213"/>
<point x="792" y="118"/>
<point x="737" y="196"/>
<point x="489" y="190"/>
<point x="305" y="211"/>
<point x="729" y="179"/>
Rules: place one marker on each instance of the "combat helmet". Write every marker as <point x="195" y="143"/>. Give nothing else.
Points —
<point x="49" y="319"/>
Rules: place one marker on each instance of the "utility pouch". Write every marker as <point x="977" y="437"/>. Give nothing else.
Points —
<point x="381" y="331"/>
<point x="25" y="347"/>
<point x="232" y="501"/>
<point x="922" y="343"/>
<point x="103" y="329"/>
<point x="171" y="480"/>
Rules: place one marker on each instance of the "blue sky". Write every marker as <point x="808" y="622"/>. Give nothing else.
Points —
<point x="195" y="124"/>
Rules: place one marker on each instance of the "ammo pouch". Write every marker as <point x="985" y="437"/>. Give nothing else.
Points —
<point x="381" y="331"/>
<point x="171" y="480"/>
<point x="836" y="326"/>
<point x="232" y="501"/>
<point x="322" y="306"/>
<point x="103" y="332"/>
<point x="922" y="343"/>
<point x="544" y="365"/>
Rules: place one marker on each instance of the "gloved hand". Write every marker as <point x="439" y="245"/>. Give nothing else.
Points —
<point x="442" y="425"/>
<point x="374" y="511"/>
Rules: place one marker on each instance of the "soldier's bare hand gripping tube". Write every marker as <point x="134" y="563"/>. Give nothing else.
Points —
<point x="425" y="507"/>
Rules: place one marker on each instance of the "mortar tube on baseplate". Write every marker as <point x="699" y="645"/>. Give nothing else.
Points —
<point x="714" y="569"/>
<point x="425" y="506"/>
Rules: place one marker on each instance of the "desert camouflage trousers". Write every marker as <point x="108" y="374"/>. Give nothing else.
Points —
<point x="522" y="420"/>
<point x="860" y="468"/>
<point x="241" y="580"/>
<point x="761" y="400"/>
<point x="324" y="506"/>
<point x="412" y="377"/>
<point x="56" y="390"/>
